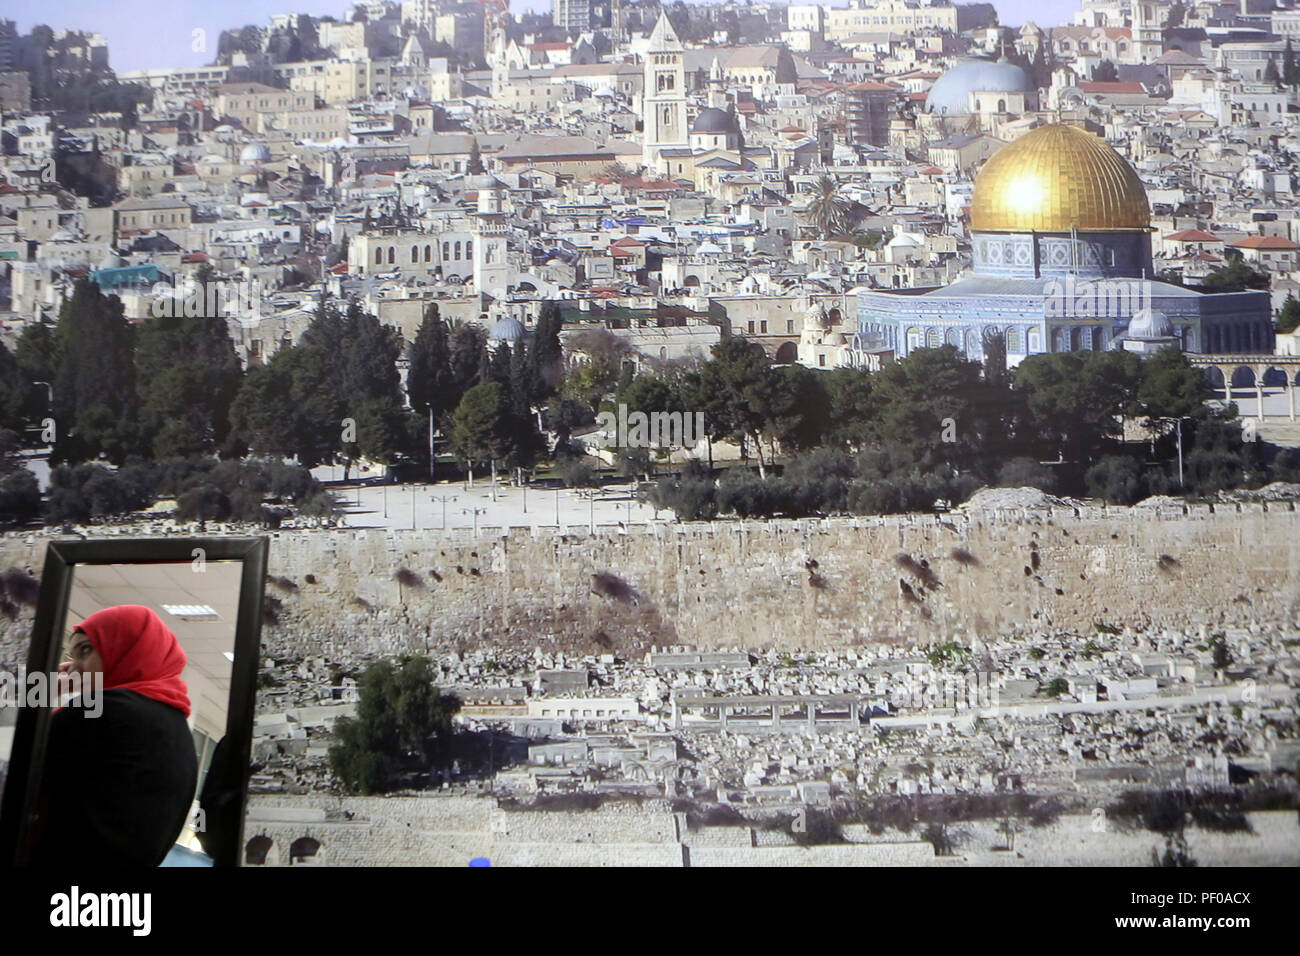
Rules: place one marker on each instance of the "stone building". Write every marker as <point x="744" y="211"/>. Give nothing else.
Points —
<point x="1061" y="242"/>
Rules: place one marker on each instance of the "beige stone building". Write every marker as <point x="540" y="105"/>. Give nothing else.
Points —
<point x="167" y="213"/>
<point x="414" y="255"/>
<point x="888" y="16"/>
<point x="244" y="102"/>
<point x="145" y="179"/>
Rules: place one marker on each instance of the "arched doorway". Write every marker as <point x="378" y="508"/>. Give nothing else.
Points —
<point x="256" y="849"/>
<point x="787" y="354"/>
<point x="304" y="850"/>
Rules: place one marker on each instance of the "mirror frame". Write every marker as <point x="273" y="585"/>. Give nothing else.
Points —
<point x="31" y="732"/>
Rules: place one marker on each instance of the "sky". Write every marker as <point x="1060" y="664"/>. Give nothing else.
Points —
<point x="144" y="34"/>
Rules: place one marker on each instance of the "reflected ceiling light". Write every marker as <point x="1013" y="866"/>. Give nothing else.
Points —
<point x="191" y="612"/>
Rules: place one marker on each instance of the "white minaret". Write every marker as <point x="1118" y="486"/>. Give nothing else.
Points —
<point x="663" y="103"/>
<point x="491" y="239"/>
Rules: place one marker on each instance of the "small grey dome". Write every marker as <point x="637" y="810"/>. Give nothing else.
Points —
<point x="714" y="120"/>
<point x="1150" y="324"/>
<point x="254" y="153"/>
<point x="507" y="329"/>
<point x="950" y="94"/>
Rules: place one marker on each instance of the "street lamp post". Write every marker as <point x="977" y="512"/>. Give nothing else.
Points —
<point x="1178" y="424"/>
<point x="444" y="499"/>
<point x="1180" y="452"/>
<point x="475" y="512"/>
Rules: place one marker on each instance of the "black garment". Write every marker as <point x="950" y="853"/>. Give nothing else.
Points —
<point x="117" y="788"/>
<point x="221" y="800"/>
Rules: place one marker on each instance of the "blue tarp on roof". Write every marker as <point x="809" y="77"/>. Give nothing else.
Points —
<point x="123" y="276"/>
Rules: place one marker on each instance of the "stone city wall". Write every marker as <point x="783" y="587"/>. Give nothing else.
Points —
<point x="1079" y="840"/>
<point x="792" y="584"/>
<point x="446" y="830"/>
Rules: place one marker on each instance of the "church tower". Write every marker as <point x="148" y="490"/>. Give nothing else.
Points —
<point x="1148" y="37"/>
<point x="717" y="86"/>
<point x="663" y="102"/>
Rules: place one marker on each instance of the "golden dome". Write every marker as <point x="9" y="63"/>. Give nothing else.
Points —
<point x="1055" y="178"/>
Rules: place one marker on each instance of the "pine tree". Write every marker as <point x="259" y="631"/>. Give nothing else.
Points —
<point x="94" y="389"/>
<point x="1271" y="75"/>
<point x="429" y="379"/>
<point x="188" y="375"/>
<point x="38" y="357"/>
<point x="499" y="365"/>
<point x="1288" y="317"/>
<point x="545" y="362"/>
<point x="475" y="165"/>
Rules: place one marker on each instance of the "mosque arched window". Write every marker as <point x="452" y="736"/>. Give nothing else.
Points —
<point x="379" y="257"/>
<point x="446" y="250"/>
<point x="415" y="254"/>
<point x="428" y="253"/>
<point x="1013" y="339"/>
<point x="932" y="338"/>
<point x="392" y="255"/>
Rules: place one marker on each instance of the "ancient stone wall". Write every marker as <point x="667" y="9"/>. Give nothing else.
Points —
<point x="796" y="584"/>
<point x="444" y="830"/>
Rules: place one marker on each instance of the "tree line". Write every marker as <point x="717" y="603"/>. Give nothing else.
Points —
<point x="935" y="426"/>
<point x="932" y="426"/>
<point x="105" y="393"/>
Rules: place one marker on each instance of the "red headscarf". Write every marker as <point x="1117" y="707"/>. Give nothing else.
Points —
<point x="139" y="653"/>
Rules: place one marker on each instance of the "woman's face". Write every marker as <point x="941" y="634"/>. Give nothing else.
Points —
<point x="81" y="656"/>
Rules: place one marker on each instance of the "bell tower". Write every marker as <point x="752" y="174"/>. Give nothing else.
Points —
<point x="1148" y="38"/>
<point x="663" y="102"/>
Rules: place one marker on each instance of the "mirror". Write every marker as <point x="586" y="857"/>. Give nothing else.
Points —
<point x="137" y="752"/>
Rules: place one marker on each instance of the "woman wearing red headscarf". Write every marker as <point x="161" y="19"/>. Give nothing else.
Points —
<point x="118" y="787"/>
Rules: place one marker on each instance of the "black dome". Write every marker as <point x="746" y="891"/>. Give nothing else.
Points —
<point x="714" y="120"/>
